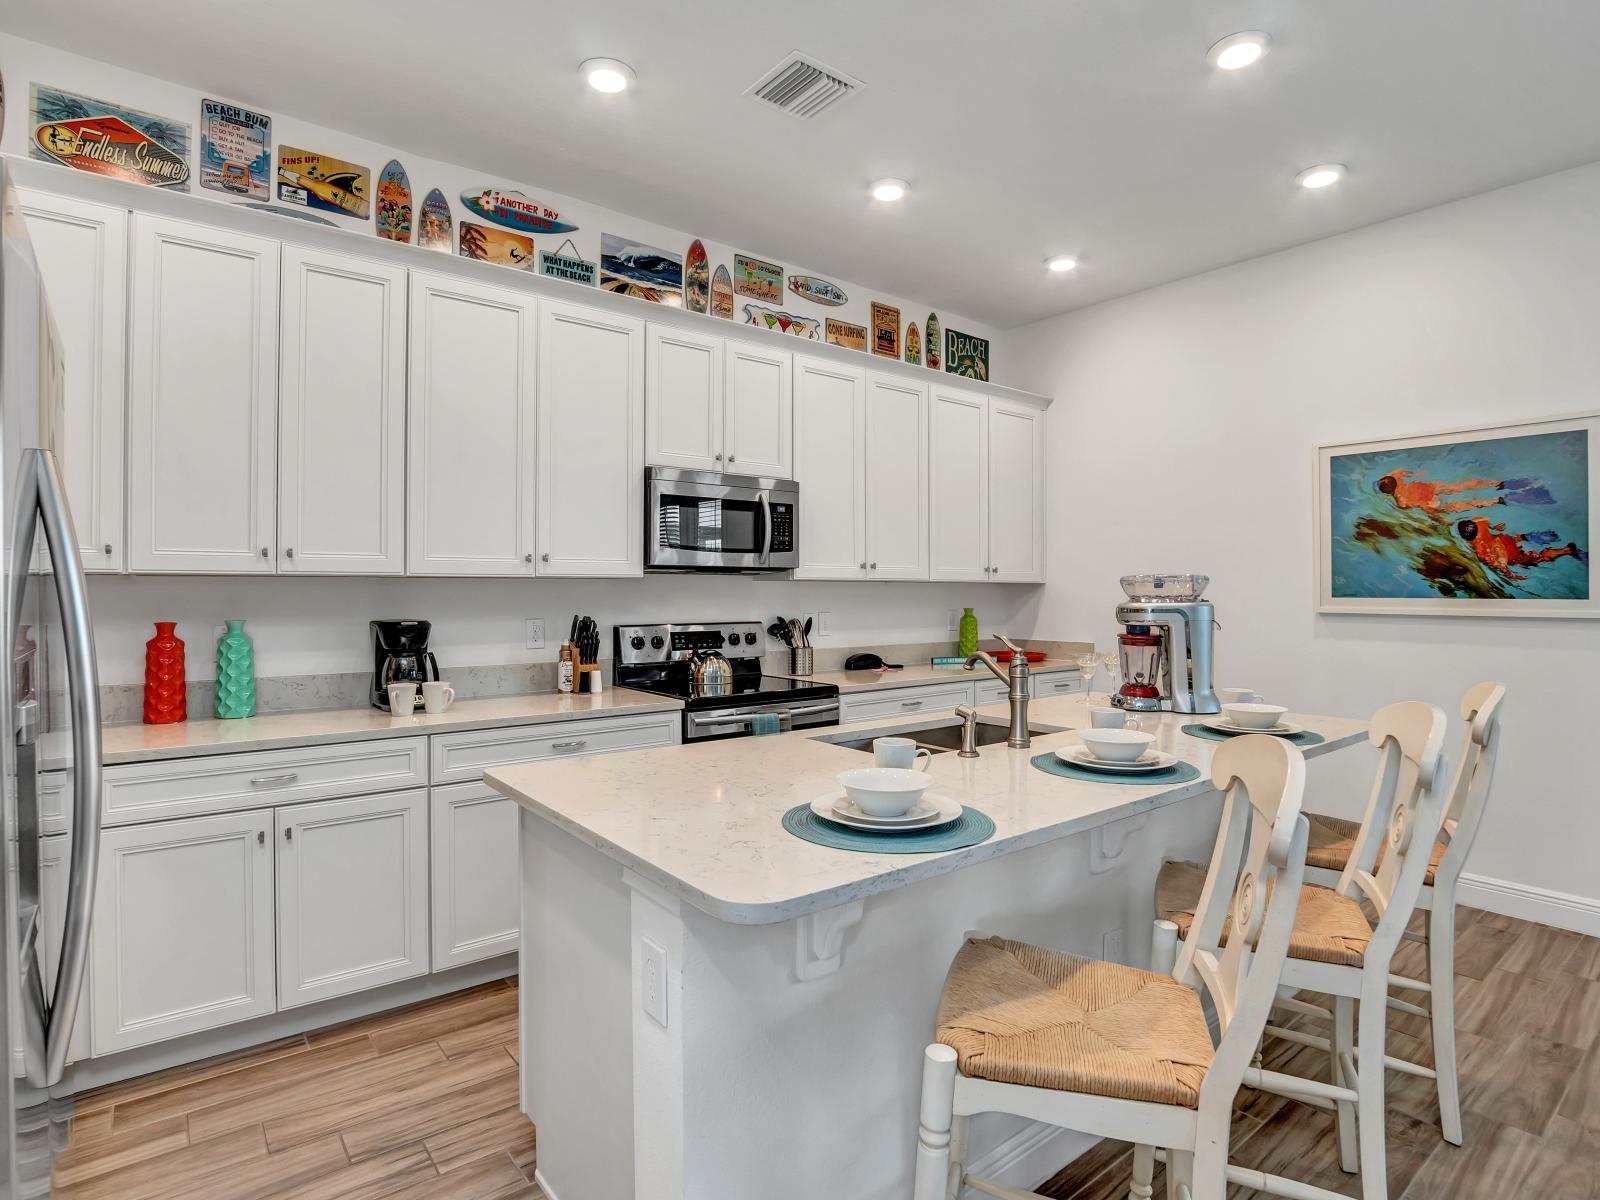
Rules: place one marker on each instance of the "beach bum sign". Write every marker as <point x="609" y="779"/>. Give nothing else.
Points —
<point x="566" y="264"/>
<point x="105" y="139"/>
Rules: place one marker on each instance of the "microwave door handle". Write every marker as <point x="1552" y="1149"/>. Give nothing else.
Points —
<point x="766" y="528"/>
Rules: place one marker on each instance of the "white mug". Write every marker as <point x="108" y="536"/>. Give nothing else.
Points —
<point x="402" y="699"/>
<point x="437" y="696"/>
<point x="900" y="752"/>
<point x="1112" y="718"/>
<point x="1238" y="696"/>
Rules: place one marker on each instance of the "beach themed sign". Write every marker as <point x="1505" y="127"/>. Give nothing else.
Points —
<point x="566" y="263"/>
<point x="931" y="334"/>
<point x="757" y="278"/>
<point x="235" y="150"/>
<point x="966" y="355"/>
<point x="434" y="223"/>
<point x="514" y="210"/>
<point x="499" y="246"/>
<point x="106" y="139"/>
<point x="722" y="293"/>
<point x="631" y="268"/>
<point x="782" y="322"/>
<point x="323" y="183"/>
<point x="394" y="203"/>
<point x="696" y="278"/>
<point x="817" y="290"/>
<point x="842" y="333"/>
<point x="885" y="330"/>
<point x="913" y="345"/>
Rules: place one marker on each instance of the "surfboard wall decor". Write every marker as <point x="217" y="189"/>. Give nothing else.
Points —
<point x="514" y="210"/>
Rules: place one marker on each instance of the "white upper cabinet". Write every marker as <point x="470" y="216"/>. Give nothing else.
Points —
<point x="683" y="399"/>
<point x="82" y="250"/>
<point x="958" y="485"/>
<point x="341" y="416"/>
<point x="758" y="421"/>
<point x="202" y="399"/>
<point x="896" y="478"/>
<point x="470" y="433"/>
<point x="591" y="442"/>
<point x="1016" y="491"/>
<point x="830" y="465"/>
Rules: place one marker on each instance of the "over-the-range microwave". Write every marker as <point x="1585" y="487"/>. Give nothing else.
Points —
<point x="709" y="521"/>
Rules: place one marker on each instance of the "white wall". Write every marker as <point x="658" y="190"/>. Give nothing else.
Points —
<point x="1188" y="416"/>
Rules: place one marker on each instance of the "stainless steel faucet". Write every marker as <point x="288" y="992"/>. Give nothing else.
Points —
<point x="969" y="731"/>
<point x="1016" y="681"/>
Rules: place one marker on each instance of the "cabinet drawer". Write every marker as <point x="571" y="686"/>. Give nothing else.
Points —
<point x="1062" y="683"/>
<point x="990" y="691"/>
<point x="464" y="757"/>
<point x="908" y="701"/>
<point x="224" y="782"/>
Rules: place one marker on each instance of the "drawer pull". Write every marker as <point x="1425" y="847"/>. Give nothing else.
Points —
<point x="911" y="704"/>
<point x="261" y="838"/>
<point x="274" y="780"/>
<point x="288" y="833"/>
<point x="577" y="744"/>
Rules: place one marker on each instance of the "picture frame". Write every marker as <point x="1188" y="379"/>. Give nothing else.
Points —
<point x="1482" y="521"/>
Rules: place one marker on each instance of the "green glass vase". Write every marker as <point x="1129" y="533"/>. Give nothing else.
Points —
<point x="969" y="633"/>
<point x="236" y="673"/>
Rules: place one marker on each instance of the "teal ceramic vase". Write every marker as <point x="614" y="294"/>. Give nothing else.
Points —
<point x="969" y="633"/>
<point x="236" y="673"/>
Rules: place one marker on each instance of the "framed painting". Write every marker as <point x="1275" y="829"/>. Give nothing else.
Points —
<point x="1494" y="521"/>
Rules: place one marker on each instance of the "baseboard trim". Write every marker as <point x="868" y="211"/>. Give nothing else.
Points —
<point x="1525" y="902"/>
<point x="543" y="1184"/>
<point x="1028" y="1157"/>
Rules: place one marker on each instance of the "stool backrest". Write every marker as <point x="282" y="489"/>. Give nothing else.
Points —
<point x="1256" y="870"/>
<point x="1469" y="791"/>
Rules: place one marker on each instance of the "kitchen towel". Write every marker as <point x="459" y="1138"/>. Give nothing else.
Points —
<point x="970" y="828"/>
<point x="1178" y="772"/>
<point x="1304" y="738"/>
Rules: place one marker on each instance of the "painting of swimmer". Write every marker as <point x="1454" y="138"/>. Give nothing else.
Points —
<point x="1484" y="522"/>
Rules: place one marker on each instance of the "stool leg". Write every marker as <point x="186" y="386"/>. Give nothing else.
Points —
<point x="1164" y="947"/>
<point x="958" y="1152"/>
<point x="1370" y="1068"/>
<point x="1180" y="1174"/>
<point x="933" y="1132"/>
<point x="1144" y="1169"/>
<point x="1344" y="1041"/>
<point x="1442" y="1018"/>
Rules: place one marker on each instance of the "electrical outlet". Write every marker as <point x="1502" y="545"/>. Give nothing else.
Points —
<point x="533" y="627"/>
<point x="653" y="981"/>
<point x="952" y="622"/>
<point x="1111" y="945"/>
<point x="824" y="624"/>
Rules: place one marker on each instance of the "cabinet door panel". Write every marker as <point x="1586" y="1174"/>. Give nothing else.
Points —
<point x="476" y="898"/>
<point x="683" y="400"/>
<point x="829" y="447"/>
<point x="958" y="485"/>
<point x="470" y="433"/>
<point x="352" y="895"/>
<point x="202" y="400"/>
<point x="1016" y="492"/>
<point x="341" y="432"/>
<point x="591" y="442"/>
<point x="897" y="479"/>
<point x="82" y="250"/>
<point x="759" y="427"/>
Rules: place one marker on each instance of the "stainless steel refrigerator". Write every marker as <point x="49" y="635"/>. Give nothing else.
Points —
<point x="51" y="752"/>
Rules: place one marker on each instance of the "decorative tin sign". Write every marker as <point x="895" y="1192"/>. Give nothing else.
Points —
<point x="696" y="278"/>
<point x="515" y="211"/>
<point x="644" y="272"/>
<point x="235" y="150"/>
<point x="566" y="263"/>
<point x="722" y="293"/>
<point x="498" y="246"/>
<point x="966" y="355"/>
<point x="323" y="183"/>
<point x="817" y="290"/>
<point x="758" y="279"/>
<point x="913" y="345"/>
<point x="434" y="224"/>
<point x="781" y="322"/>
<point x="930" y="333"/>
<point x="851" y="337"/>
<point x="885" y="330"/>
<point x="106" y="139"/>
<point x="394" y="203"/>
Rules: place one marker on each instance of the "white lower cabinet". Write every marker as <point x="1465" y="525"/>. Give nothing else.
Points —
<point x="476" y="902"/>
<point x="939" y="699"/>
<point x="352" y="895"/>
<point x="182" y="938"/>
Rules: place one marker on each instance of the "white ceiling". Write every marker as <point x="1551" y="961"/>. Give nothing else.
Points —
<point x="1026" y="127"/>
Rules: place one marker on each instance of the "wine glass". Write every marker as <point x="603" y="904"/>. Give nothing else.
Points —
<point x="1113" y="665"/>
<point x="1088" y="663"/>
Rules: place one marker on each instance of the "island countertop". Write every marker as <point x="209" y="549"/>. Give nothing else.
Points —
<point x="704" y="821"/>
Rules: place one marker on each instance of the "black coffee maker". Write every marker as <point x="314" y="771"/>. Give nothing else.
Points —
<point x="400" y="655"/>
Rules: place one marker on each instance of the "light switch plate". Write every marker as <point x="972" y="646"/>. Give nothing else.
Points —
<point x="533" y="629"/>
<point x="653" y="981"/>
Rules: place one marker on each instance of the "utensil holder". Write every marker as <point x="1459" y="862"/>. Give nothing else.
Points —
<point x="799" y="660"/>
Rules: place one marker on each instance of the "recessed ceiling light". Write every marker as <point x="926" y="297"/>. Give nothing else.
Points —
<point x="889" y="190"/>
<point x="1061" y="262"/>
<point x="607" y="74"/>
<point x="1238" y="50"/>
<point x="1320" y="176"/>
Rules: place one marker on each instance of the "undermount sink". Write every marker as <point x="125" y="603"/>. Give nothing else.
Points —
<point x="940" y="736"/>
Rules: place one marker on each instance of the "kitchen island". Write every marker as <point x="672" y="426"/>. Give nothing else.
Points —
<point x="714" y="1009"/>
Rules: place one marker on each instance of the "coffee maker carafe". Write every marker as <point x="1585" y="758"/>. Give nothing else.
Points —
<point x="400" y="655"/>
<point x="1166" y="645"/>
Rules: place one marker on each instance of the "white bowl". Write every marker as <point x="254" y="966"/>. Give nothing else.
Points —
<point x="1117" y="745"/>
<point x="884" y="791"/>
<point x="1254" y="716"/>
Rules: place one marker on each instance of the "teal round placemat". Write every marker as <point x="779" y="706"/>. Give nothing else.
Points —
<point x="970" y="828"/>
<point x="1304" y="738"/>
<point x="1178" y="772"/>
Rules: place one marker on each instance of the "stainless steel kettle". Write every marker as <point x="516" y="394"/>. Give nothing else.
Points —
<point x="710" y="673"/>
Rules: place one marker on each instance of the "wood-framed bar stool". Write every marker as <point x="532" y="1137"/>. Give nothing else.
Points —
<point x="1333" y="841"/>
<point x="1123" y="1053"/>
<point x="1334" y="949"/>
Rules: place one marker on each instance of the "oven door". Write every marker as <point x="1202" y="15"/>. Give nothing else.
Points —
<point x="735" y="720"/>
<point x="705" y="521"/>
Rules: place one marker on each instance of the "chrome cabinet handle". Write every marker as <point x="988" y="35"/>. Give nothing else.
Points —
<point x="911" y="704"/>
<point x="264" y="553"/>
<point x="274" y="780"/>
<point x="527" y="558"/>
<point x="289" y="553"/>
<point x="545" y="557"/>
<point x="578" y="744"/>
<point x="719" y="457"/>
<point x="863" y="566"/>
<point x="261" y="837"/>
<point x="108" y="547"/>
<point x="766" y="527"/>
<point x="874" y="566"/>
<point x="730" y="458"/>
<point x="288" y="833"/>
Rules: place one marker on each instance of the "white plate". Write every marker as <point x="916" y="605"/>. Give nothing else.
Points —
<point x="1153" y="760"/>
<point x="838" y="808"/>
<point x="1223" y="725"/>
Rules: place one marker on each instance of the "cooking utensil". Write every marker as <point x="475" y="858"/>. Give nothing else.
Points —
<point x="779" y="630"/>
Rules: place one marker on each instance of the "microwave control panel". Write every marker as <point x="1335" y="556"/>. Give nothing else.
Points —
<point x="782" y="528"/>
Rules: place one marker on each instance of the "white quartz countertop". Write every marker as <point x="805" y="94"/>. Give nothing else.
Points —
<point x="703" y="821"/>
<point x="138" y="743"/>
<point x="921" y="674"/>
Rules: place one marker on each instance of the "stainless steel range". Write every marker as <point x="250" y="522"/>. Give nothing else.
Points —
<point x="715" y="670"/>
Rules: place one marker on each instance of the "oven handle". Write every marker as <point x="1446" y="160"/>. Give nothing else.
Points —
<point x="766" y="529"/>
<point x="697" y="720"/>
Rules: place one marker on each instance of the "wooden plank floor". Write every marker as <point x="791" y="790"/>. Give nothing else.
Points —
<point x="1528" y="1036"/>
<point x="415" y="1104"/>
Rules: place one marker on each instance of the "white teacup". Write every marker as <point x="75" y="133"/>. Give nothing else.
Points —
<point x="1238" y="696"/>
<point x="1108" y="718"/>
<point x="437" y="696"/>
<point x="402" y="699"/>
<point x="884" y="791"/>
<point x="900" y="752"/>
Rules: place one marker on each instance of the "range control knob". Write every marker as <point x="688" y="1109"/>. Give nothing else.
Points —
<point x="733" y="637"/>
<point x="749" y="639"/>
<point x="636" y="642"/>
<point x="657" y="642"/>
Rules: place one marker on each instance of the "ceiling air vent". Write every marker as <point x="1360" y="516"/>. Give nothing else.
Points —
<point x="802" y="87"/>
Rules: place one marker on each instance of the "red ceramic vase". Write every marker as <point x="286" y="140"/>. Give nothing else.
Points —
<point x="165" y="697"/>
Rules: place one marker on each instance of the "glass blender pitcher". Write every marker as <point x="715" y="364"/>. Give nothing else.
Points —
<point x="1140" y="652"/>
